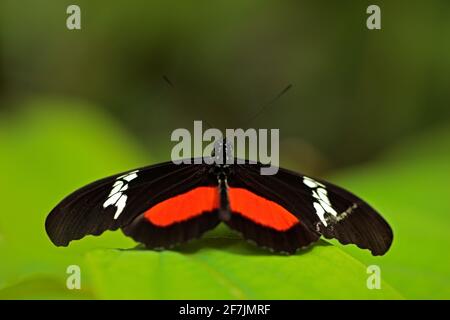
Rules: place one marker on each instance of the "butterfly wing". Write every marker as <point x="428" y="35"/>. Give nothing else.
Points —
<point x="321" y="208"/>
<point x="120" y="200"/>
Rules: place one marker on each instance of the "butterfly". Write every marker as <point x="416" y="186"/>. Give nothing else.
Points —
<point x="166" y="204"/>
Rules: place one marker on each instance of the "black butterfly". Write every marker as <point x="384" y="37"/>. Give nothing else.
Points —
<point x="167" y="204"/>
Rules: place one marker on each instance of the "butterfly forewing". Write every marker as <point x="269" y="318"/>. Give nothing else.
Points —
<point x="116" y="201"/>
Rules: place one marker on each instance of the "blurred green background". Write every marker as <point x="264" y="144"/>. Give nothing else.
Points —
<point x="368" y="110"/>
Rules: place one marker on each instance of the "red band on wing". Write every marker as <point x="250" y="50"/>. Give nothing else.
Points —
<point x="184" y="206"/>
<point x="260" y="210"/>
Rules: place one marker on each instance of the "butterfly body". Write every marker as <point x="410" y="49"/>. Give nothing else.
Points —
<point x="167" y="204"/>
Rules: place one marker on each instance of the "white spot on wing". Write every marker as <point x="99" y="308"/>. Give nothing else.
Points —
<point x="112" y="200"/>
<point x="130" y="177"/>
<point x="116" y="188"/>
<point x="309" y="182"/>
<point x="120" y="206"/>
<point x="320" y="212"/>
<point x="323" y="204"/>
<point x="116" y="197"/>
<point x="328" y="208"/>
<point x="323" y="194"/>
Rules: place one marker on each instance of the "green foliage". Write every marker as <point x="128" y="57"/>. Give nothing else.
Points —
<point x="229" y="268"/>
<point x="410" y="188"/>
<point x="228" y="58"/>
<point x="47" y="152"/>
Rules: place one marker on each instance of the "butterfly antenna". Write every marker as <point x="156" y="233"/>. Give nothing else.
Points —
<point x="170" y="83"/>
<point x="166" y="79"/>
<point x="269" y="104"/>
<point x="208" y="124"/>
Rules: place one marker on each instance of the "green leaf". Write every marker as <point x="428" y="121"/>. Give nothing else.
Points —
<point x="42" y="287"/>
<point x="50" y="148"/>
<point x="409" y="186"/>
<point x="229" y="268"/>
